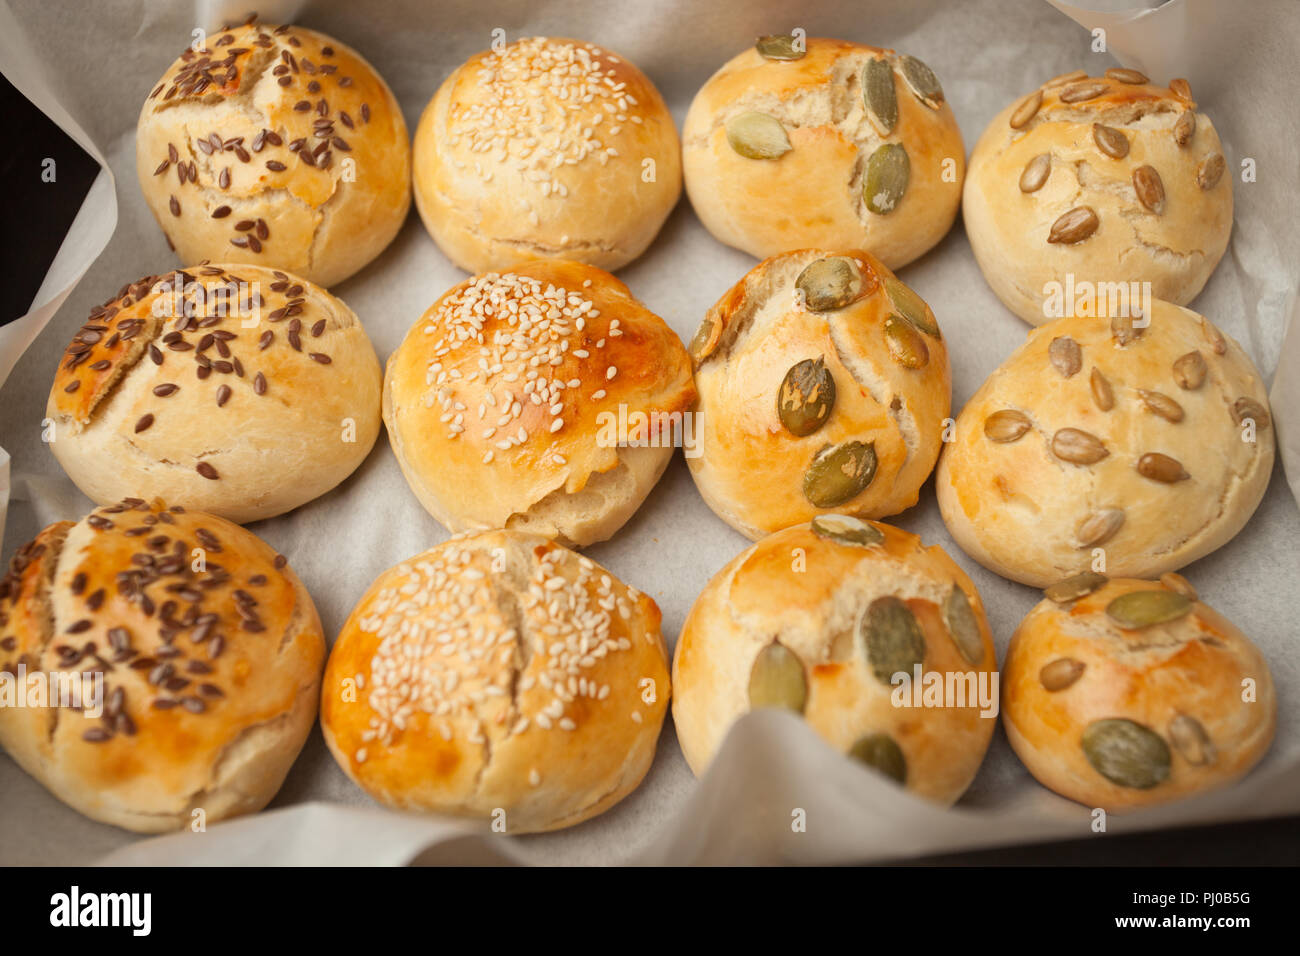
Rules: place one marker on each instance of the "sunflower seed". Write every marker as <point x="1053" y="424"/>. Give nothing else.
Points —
<point x="1159" y="403"/>
<point x="911" y="306"/>
<point x="830" y="283"/>
<point x="1124" y="75"/>
<point x="879" y="96"/>
<point x="1190" y="371"/>
<point x="1247" y="408"/>
<point x="1176" y="582"/>
<point x="1035" y="173"/>
<point x="839" y="473"/>
<point x="846" y="529"/>
<point x="1138" y="609"/>
<point x="1150" y="189"/>
<point x="1026" y="110"/>
<point x="880" y="752"/>
<point x="1181" y="88"/>
<point x="1078" y="446"/>
<point x="1185" y="127"/>
<point x="924" y="84"/>
<point x="1126" y="753"/>
<point x="778" y="48"/>
<point x="1099" y="527"/>
<point x="1161" y="468"/>
<point x="1075" y="587"/>
<point x="1083" y="91"/>
<point x="888" y="172"/>
<point x="1191" y="740"/>
<point x="1074" y="225"/>
<point x="1210" y="171"/>
<point x="1065" y="355"/>
<point x="892" y="638"/>
<point x="777" y="679"/>
<point x="757" y="136"/>
<point x="806" y="397"/>
<point x="1060" y="673"/>
<point x="1061" y="79"/>
<point x="906" y="346"/>
<point x="1102" y="394"/>
<point x="1125" y="329"/>
<point x="1214" y="337"/>
<point x="1110" y="141"/>
<point x="963" y="627"/>
<point x="1006" y="425"/>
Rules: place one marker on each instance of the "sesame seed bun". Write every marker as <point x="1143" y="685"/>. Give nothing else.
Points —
<point x="498" y="673"/>
<point x="502" y="402"/>
<point x="547" y="149"/>
<point x="210" y="651"/>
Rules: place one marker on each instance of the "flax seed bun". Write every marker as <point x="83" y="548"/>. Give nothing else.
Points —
<point x="242" y="400"/>
<point x="817" y="192"/>
<point x="817" y="618"/>
<point x="498" y="673"/>
<point x="1172" y="235"/>
<point x="1166" y="452"/>
<point x="785" y="379"/>
<point x="279" y="146"/>
<point x="210" y="652"/>
<point x="502" y="402"/>
<point x="547" y="149"/>
<point x="1136" y="703"/>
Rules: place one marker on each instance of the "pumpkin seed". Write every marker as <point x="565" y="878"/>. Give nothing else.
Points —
<point x="1190" y="371"/>
<point x="1150" y="188"/>
<point x="879" y="97"/>
<point x="1060" y="673"/>
<point x="1099" y="527"/>
<point x="1176" y="582"/>
<point x="905" y="343"/>
<point x="1181" y="88"/>
<point x="1065" y="355"/>
<point x="888" y="172"/>
<point x="1102" y="394"/>
<point x="846" y="529"/>
<point x="830" y="283"/>
<point x="1084" y="91"/>
<point x="911" y="306"/>
<point x="1075" y="225"/>
<point x="1138" y="609"/>
<point x="1210" y="171"/>
<point x="1159" y="403"/>
<point x="1124" y="75"/>
<point x="1185" y="127"/>
<point x="1026" y="110"/>
<point x="1161" y="468"/>
<point x="1110" y="141"/>
<point x="1125" y="329"/>
<point x="1035" y="173"/>
<point x="1191" y="740"/>
<point x="1126" y="753"/>
<point x="839" y="473"/>
<point x="892" y="637"/>
<point x="1063" y="78"/>
<point x="1078" y="446"/>
<point x="806" y="397"/>
<point x="1006" y="425"/>
<point x="1074" y="587"/>
<point x="777" y="679"/>
<point x="778" y="48"/>
<point x="880" y="752"/>
<point x="698" y="345"/>
<point x="1244" y="408"/>
<point x="924" y="84"/>
<point x="963" y="627"/>
<point x="757" y="136"/>
<point x="1214" y="337"/>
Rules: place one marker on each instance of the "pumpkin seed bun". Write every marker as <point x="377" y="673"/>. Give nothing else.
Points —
<point x="1149" y="447"/>
<point x="498" y="673"/>
<point x="1127" y="693"/>
<point x="210" y="654"/>
<point x="782" y="149"/>
<point x="823" y="384"/>
<point x="279" y="146"/>
<point x="231" y="389"/>
<point x="1109" y="179"/>
<point x="546" y="149"/>
<point x="816" y="619"/>
<point x="503" y="402"/>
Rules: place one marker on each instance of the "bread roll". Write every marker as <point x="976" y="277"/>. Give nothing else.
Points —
<point x="1109" y="180"/>
<point x="200" y="653"/>
<point x="788" y="149"/>
<point x="823" y="385"/>
<point x="278" y="146"/>
<point x="1130" y="450"/>
<point x="818" y="619"/>
<point x="500" y="676"/>
<point x="1130" y="693"/>
<point x="546" y="149"/>
<point x="232" y="389"/>
<point x="505" y="402"/>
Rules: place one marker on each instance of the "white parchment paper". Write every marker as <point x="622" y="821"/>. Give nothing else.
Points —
<point x="89" y="66"/>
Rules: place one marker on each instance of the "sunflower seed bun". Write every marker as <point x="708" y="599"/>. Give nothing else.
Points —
<point x="498" y="672"/>
<point x="824" y="384"/>
<point x="279" y="146"/>
<point x="1126" y="693"/>
<point x="1109" y="179"/>
<point x="210" y="654"/>
<point x="546" y="149"/>
<point x="817" y="619"/>
<point x="788" y="149"/>
<point x="231" y="389"/>
<point x="502" y="403"/>
<point x="1145" y="447"/>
